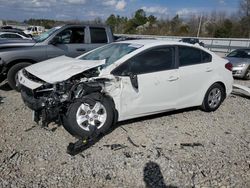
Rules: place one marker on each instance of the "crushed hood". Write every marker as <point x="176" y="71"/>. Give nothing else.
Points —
<point x="61" y="68"/>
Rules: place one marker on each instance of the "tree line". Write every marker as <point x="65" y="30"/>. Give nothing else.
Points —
<point x="214" y="24"/>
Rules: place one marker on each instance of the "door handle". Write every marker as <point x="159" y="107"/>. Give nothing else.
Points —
<point x="173" y="78"/>
<point x="209" y="69"/>
<point x="80" y="49"/>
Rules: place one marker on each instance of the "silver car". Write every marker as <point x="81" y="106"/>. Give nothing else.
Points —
<point x="240" y="60"/>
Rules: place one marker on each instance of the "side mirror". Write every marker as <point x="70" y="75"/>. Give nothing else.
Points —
<point x="133" y="79"/>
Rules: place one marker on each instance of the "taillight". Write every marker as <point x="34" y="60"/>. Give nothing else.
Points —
<point x="229" y="66"/>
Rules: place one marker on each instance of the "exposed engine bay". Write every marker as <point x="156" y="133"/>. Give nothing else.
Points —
<point x="50" y="102"/>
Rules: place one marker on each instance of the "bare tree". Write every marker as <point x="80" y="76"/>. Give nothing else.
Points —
<point x="245" y="7"/>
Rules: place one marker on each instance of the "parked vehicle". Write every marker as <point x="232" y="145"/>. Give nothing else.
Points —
<point x="34" y="30"/>
<point x="192" y="41"/>
<point x="19" y="31"/>
<point x="124" y="80"/>
<point x="10" y="35"/>
<point x="7" y="27"/>
<point x="69" y="40"/>
<point x="240" y="60"/>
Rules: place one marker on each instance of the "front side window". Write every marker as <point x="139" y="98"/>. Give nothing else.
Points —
<point x="98" y="35"/>
<point x="71" y="36"/>
<point x="192" y="56"/>
<point x="153" y="60"/>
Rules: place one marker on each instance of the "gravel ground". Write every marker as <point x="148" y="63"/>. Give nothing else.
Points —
<point x="31" y="156"/>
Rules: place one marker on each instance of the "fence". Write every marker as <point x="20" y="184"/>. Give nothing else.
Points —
<point x="223" y="45"/>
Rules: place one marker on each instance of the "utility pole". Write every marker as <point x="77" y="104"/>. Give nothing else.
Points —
<point x="199" y="28"/>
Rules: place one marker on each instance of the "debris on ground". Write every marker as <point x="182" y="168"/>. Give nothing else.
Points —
<point x="1" y="99"/>
<point x="191" y="145"/>
<point x="132" y="142"/>
<point x="116" y="147"/>
<point x="241" y="90"/>
<point x="34" y="157"/>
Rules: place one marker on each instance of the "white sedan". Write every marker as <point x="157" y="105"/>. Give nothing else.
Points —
<point x="124" y="80"/>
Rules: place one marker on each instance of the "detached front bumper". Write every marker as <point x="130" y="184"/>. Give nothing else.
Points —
<point x="30" y="100"/>
<point x="43" y="111"/>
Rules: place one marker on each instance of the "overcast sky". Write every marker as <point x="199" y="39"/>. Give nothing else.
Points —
<point x="90" y="9"/>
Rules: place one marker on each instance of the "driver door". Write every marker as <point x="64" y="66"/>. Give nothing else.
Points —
<point x="149" y="83"/>
<point x="70" y="42"/>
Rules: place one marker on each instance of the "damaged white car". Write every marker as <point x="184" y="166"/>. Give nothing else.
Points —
<point x="124" y="80"/>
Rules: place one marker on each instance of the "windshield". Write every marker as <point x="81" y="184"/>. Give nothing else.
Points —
<point x="240" y="54"/>
<point x="111" y="52"/>
<point x="46" y="34"/>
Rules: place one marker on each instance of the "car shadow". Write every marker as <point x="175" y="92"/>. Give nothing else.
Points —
<point x="154" y="116"/>
<point x="82" y="144"/>
<point x="5" y="87"/>
<point x="152" y="176"/>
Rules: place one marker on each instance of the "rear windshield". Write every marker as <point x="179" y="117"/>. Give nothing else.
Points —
<point x="240" y="54"/>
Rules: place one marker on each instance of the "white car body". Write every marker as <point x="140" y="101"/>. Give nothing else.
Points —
<point x="160" y="91"/>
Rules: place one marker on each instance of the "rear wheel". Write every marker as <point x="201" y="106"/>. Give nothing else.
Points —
<point x="12" y="75"/>
<point x="247" y="74"/>
<point x="86" y="116"/>
<point x="213" y="98"/>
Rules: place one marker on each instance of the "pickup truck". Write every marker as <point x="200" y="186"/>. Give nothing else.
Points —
<point x="70" y="40"/>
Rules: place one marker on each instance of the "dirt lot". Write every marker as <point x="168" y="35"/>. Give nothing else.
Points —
<point x="150" y="153"/>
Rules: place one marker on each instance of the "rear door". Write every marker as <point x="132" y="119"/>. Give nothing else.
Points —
<point x="71" y="42"/>
<point x="195" y="70"/>
<point x="149" y="83"/>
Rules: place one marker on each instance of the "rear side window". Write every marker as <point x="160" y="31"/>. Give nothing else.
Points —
<point x="193" y="56"/>
<point x="154" y="60"/>
<point x="98" y="35"/>
<point x="206" y="57"/>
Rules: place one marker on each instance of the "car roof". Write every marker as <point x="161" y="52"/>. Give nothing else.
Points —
<point x="152" y="42"/>
<point x="8" y="33"/>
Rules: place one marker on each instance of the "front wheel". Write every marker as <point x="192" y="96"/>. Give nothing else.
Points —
<point x="213" y="98"/>
<point x="88" y="115"/>
<point x="12" y="74"/>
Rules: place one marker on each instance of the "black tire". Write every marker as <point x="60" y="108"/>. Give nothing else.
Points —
<point x="12" y="74"/>
<point x="209" y="105"/>
<point x="70" y="121"/>
<point x="247" y="74"/>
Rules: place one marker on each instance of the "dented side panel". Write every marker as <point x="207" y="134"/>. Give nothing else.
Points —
<point x="155" y="93"/>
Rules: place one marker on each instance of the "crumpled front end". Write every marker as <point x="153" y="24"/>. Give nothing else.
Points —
<point x="51" y="101"/>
